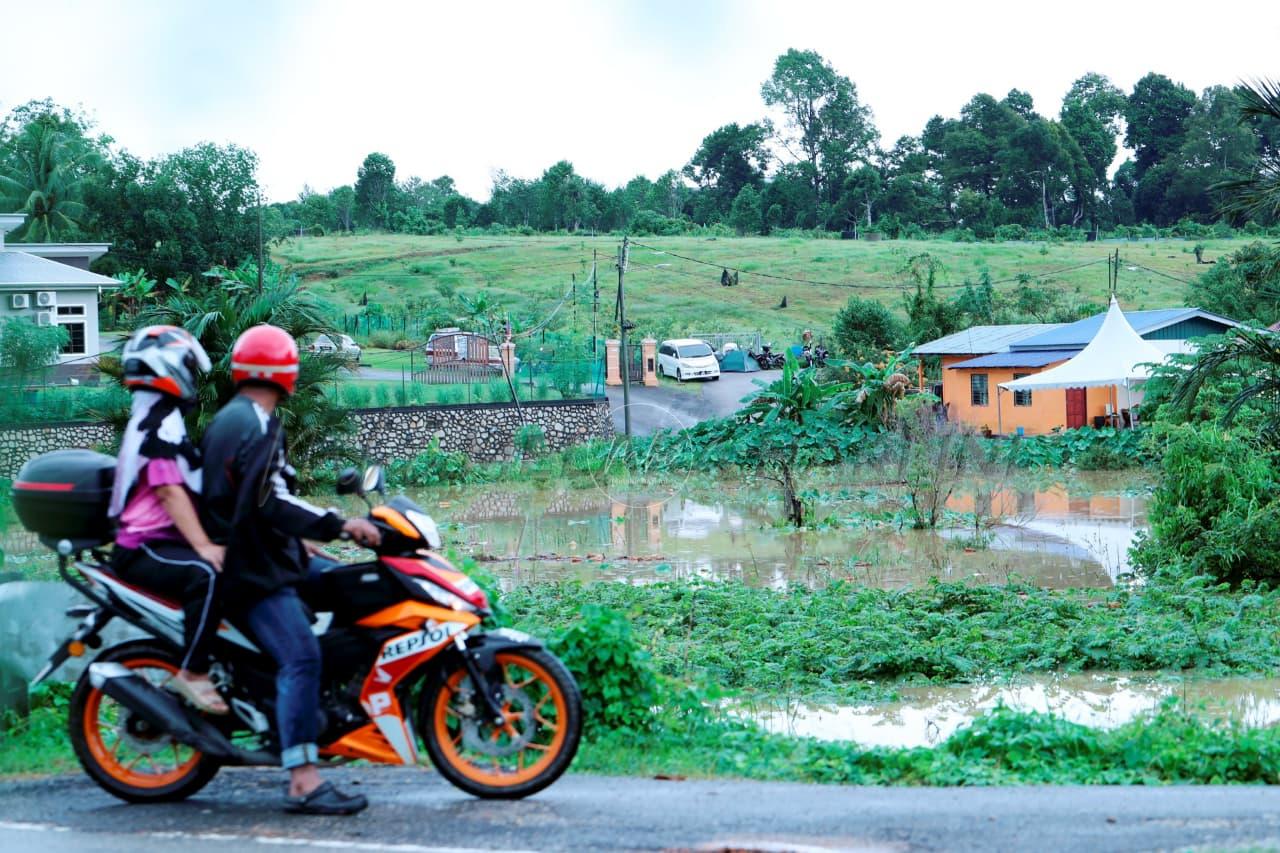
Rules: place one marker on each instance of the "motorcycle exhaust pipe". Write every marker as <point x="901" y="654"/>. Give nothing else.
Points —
<point x="162" y="710"/>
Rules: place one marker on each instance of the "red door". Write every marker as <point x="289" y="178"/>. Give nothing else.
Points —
<point x="1077" y="408"/>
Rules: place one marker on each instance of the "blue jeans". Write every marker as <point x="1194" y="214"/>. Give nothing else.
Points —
<point x="283" y="630"/>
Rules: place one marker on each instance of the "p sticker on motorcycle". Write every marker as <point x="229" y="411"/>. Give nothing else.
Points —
<point x="434" y="634"/>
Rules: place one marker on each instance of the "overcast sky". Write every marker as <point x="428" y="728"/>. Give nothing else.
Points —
<point x="619" y="88"/>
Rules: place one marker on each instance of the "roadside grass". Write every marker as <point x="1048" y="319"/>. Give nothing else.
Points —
<point x="37" y="744"/>
<point x="1002" y="747"/>
<point x="667" y="295"/>
<point x="845" y="642"/>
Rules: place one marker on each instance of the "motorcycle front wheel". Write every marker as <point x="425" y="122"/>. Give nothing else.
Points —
<point x="543" y="711"/>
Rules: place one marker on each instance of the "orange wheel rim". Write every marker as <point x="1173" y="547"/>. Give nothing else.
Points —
<point x="166" y="763"/>
<point x="537" y="725"/>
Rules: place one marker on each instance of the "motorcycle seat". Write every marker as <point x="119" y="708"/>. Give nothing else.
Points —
<point x="153" y="595"/>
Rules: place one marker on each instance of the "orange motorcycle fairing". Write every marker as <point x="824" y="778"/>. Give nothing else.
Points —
<point x="365" y="742"/>
<point x="389" y="738"/>
<point x="395" y="520"/>
<point x="413" y="614"/>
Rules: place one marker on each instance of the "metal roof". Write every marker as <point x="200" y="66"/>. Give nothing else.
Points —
<point x="980" y="340"/>
<point x="18" y="270"/>
<point x="1016" y="358"/>
<point x="1079" y="333"/>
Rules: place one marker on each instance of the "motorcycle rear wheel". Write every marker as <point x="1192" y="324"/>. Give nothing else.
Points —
<point x="117" y="750"/>
<point x="543" y="708"/>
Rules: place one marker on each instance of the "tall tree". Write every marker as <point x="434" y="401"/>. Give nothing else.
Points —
<point x="729" y="158"/>
<point x="825" y="124"/>
<point x="44" y="162"/>
<point x="1156" y="113"/>
<point x="375" y="186"/>
<point x="1258" y="193"/>
<point x="1091" y="113"/>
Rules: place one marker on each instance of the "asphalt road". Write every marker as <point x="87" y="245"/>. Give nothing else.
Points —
<point x="675" y="406"/>
<point x="414" y="811"/>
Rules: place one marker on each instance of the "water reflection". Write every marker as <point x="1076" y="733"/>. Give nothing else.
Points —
<point x="926" y="715"/>
<point x="1052" y="537"/>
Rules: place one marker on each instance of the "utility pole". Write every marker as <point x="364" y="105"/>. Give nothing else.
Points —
<point x="595" y="298"/>
<point x="622" y="340"/>
<point x="259" y="241"/>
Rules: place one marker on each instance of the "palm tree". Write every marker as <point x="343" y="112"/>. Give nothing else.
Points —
<point x="218" y="314"/>
<point x="43" y="179"/>
<point x="1253" y="353"/>
<point x="1259" y="194"/>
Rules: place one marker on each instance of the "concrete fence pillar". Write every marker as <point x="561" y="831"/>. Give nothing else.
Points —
<point x="649" y="350"/>
<point x="507" y="352"/>
<point x="612" y="362"/>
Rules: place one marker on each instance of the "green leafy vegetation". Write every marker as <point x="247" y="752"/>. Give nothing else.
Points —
<point x="1002" y="747"/>
<point x="845" y="641"/>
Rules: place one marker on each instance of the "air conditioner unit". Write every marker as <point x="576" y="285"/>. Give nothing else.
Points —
<point x="44" y="318"/>
<point x="20" y="301"/>
<point x="46" y="299"/>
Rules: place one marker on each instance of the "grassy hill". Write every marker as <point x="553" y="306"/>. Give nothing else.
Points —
<point x="667" y="295"/>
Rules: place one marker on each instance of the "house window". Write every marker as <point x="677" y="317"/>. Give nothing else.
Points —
<point x="1021" y="398"/>
<point x="978" y="393"/>
<point x="75" y="339"/>
<point x="75" y="330"/>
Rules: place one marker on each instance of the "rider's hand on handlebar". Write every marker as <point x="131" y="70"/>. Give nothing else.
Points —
<point x="212" y="554"/>
<point x="362" y="531"/>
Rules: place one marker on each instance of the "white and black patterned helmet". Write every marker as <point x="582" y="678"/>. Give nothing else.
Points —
<point x="164" y="359"/>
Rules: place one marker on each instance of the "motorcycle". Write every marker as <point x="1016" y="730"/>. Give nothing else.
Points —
<point x="813" y="356"/>
<point x="767" y="358"/>
<point x="408" y="657"/>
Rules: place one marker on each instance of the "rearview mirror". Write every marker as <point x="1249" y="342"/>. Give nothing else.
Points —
<point x="374" y="480"/>
<point x="348" y="482"/>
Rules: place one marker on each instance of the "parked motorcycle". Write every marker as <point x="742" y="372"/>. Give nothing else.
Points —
<point x="767" y="358"/>
<point x="408" y="660"/>
<point x="813" y="356"/>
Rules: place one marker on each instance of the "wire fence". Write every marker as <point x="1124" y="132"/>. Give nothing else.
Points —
<point x="471" y="383"/>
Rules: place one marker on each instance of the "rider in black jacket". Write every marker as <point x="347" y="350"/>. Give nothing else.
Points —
<point x="248" y="504"/>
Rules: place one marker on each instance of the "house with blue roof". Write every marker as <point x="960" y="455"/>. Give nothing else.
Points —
<point x="976" y="360"/>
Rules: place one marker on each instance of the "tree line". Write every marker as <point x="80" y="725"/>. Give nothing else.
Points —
<point x="997" y="170"/>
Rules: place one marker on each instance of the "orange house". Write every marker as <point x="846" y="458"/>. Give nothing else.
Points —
<point x="976" y="361"/>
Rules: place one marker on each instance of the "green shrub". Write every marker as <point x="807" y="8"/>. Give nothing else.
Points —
<point x="616" y="676"/>
<point x="530" y="440"/>
<point x="1215" y="510"/>
<point x="431" y="467"/>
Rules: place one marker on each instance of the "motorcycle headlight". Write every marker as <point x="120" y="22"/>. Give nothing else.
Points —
<point x="426" y="526"/>
<point x="443" y="596"/>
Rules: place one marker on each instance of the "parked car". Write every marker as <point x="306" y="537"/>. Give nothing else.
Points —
<point x="342" y="345"/>
<point x="687" y="358"/>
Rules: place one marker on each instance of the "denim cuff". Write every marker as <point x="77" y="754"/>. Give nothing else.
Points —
<point x="297" y="756"/>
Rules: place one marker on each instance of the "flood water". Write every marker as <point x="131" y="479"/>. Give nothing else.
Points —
<point x="924" y="716"/>
<point x="1056" y="535"/>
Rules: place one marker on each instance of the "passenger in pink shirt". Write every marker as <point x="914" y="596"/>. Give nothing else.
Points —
<point x="160" y="543"/>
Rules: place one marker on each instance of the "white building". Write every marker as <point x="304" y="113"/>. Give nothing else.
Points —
<point x="50" y="284"/>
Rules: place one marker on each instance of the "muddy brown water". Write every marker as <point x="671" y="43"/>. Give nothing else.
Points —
<point x="925" y="716"/>
<point x="1057" y="535"/>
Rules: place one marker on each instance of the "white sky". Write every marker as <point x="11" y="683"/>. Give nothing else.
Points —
<point x="619" y="88"/>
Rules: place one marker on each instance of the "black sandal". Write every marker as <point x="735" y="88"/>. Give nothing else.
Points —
<point x="326" y="800"/>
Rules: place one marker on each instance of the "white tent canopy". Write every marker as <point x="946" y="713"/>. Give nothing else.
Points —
<point x="1117" y="355"/>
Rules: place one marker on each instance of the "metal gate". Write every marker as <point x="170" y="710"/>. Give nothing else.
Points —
<point x="635" y="363"/>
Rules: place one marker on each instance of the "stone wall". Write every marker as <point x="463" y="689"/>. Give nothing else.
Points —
<point x="485" y="432"/>
<point x="23" y="442"/>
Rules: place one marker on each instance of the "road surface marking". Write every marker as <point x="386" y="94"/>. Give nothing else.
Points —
<point x="273" y="840"/>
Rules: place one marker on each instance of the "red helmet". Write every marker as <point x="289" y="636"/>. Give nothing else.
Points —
<point x="266" y="354"/>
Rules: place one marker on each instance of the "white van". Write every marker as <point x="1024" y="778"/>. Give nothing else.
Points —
<point x="687" y="358"/>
